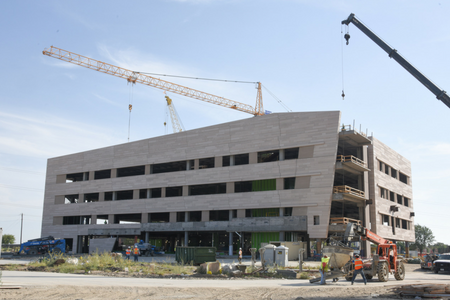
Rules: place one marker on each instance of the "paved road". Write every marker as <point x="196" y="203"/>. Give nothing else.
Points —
<point x="53" y="279"/>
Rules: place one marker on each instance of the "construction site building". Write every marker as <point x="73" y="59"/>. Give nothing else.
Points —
<point x="280" y="177"/>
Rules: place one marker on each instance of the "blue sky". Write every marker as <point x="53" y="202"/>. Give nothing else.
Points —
<point x="51" y="108"/>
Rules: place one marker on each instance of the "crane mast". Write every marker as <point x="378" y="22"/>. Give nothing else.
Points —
<point x="136" y="77"/>
<point x="440" y="94"/>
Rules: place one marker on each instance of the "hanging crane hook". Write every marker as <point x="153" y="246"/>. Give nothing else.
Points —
<point x="347" y="37"/>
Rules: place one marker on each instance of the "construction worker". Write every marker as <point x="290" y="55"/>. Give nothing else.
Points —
<point x="240" y="255"/>
<point x="358" y="269"/>
<point x="136" y="253"/>
<point x="323" y="268"/>
<point x="128" y="253"/>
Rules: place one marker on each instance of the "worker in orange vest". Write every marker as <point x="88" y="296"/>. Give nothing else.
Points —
<point x="358" y="269"/>
<point x="136" y="253"/>
<point x="240" y="255"/>
<point x="128" y="253"/>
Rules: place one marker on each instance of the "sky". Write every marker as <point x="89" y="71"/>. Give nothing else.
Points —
<point x="295" y="48"/>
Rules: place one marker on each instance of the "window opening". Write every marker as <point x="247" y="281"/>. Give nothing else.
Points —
<point x="109" y="196"/>
<point x="71" y="199"/>
<point x="155" y="193"/>
<point x="103" y="174"/>
<point x="403" y="178"/>
<point x="291" y="153"/>
<point x="406" y="201"/>
<point x="394" y="173"/>
<point x="195" y="216"/>
<point x="399" y="199"/>
<point x="92" y="197"/>
<point x="206" y="163"/>
<point x="124" y="195"/>
<point x="174" y="191"/>
<point x="102" y="219"/>
<point x="226" y="161"/>
<point x="392" y="196"/>
<point x="207" y="189"/>
<point x="159" y="217"/>
<point x="74" y="177"/>
<point x="131" y="171"/>
<point x="169" y="167"/>
<point x="316" y="220"/>
<point x="288" y="211"/>
<point x="241" y="159"/>
<point x="219" y="215"/>
<point x="127" y="219"/>
<point x="181" y="216"/>
<point x="385" y="220"/>
<point x="71" y="220"/>
<point x="289" y="183"/>
<point x="143" y="194"/>
<point x="268" y="156"/>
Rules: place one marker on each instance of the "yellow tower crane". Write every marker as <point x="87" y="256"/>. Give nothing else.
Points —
<point x="176" y="124"/>
<point x="136" y="77"/>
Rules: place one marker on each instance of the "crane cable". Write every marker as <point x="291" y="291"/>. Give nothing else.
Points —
<point x="130" y="107"/>
<point x="342" y="63"/>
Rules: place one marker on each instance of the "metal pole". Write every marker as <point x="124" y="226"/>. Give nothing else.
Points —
<point x="21" y="228"/>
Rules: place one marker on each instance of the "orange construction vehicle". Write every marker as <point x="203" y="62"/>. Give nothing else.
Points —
<point x="383" y="263"/>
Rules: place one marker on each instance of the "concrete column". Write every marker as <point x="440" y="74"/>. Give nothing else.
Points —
<point x="114" y="196"/>
<point x="230" y="188"/>
<point x="85" y="176"/>
<point x="113" y="173"/>
<point x="94" y="219"/>
<point x="241" y="213"/>
<point x="280" y="184"/>
<point x="230" y="214"/>
<point x="218" y="162"/>
<point x="186" y="238"/>
<point x="281" y="236"/>
<point x="185" y="190"/>
<point x="407" y="249"/>
<point x="196" y="164"/>
<point x="186" y="216"/>
<point x="146" y="236"/>
<point x="319" y="246"/>
<point x="144" y="218"/>
<point x="148" y="193"/>
<point x="281" y="213"/>
<point x="172" y="217"/>
<point x="281" y="154"/>
<point x="188" y="165"/>
<point x="60" y="199"/>
<point x="230" y="243"/>
<point x="205" y="216"/>
<point x="147" y="170"/>
<point x="135" y="194"/>
<point x="80" y="198"/>
<point x="101" y="196"/>
<point x="91" y="175"/>
<point x="253" y="158"/>
<point x="163" y="192"/>
<point x="110" y="219"/>
<point x="61" y="178"/>
<point x="75" y="245"/>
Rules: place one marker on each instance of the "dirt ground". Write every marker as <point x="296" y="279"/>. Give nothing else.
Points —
<point x="124" y="293"/>
<point x="358" y="291"/>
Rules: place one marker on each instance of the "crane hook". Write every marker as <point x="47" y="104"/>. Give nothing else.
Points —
<point x="347" y="37"/>
<point x="343" y="95"/>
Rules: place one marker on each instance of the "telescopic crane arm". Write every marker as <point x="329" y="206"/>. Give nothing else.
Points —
<point x="440" y="94"/>
<point x="136" y="77"/>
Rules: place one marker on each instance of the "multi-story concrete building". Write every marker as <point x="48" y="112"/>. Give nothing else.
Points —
<point x="284" y="176"/>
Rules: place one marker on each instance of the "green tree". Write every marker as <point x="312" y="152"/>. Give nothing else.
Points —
<point x="440" y="247"/>
<point x="424" y="237"/>
<point x="8" y="239"/>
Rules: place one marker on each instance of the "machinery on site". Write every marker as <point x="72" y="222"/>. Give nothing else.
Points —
<point x="427" y="261"/>
<point x="383" y="263"/>
<point x="438" y="92"/>
<point x="145" y="249"/>
<point x="177" y="126"/>
<point x="43" y="245"/>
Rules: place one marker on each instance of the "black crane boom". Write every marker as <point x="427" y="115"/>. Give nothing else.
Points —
<point x="440" y="94"/>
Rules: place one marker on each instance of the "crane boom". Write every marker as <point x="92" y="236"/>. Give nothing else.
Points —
<point x="440" y="94"/>
<point x="176" y="125"/>
<point x="136" y="77"/>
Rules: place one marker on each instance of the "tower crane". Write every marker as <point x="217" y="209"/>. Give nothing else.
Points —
<point x="136" y="77"/>
<point x="176" y="124"/>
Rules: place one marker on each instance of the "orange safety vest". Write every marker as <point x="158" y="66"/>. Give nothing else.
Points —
<point x="136" y="251"/>
<point x="240" y="253"/>
<point x="128" y="252"/>
<point x="358" y="264"/>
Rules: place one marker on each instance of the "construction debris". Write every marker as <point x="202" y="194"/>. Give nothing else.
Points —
<point x="424" y="290"/>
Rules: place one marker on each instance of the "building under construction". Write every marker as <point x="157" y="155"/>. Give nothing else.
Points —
<point x="279" y="177"/>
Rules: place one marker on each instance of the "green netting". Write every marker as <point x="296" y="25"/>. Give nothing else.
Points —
<point x="263" y="237"/>
<point x="264" y="185"/>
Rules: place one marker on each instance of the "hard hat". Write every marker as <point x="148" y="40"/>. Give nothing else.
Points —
<point x="357" y="255"/>
<point x="129" y="247"/>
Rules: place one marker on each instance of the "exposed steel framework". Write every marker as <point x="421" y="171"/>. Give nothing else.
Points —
<point x="135" y="77"/>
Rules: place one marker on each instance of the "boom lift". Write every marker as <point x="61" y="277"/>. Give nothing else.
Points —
<point x="136" y="77"/>
<point x="440" y="94"/>
<point x="382" y="263"/>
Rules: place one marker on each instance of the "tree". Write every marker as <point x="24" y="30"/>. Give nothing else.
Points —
<point x="8" y="239"/>
<point x="424" y="237"/>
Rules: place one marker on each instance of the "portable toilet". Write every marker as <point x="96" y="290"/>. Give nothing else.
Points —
<point x="269" y="254"/>
<point x="281" y="256"/>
